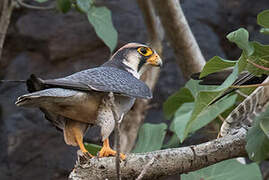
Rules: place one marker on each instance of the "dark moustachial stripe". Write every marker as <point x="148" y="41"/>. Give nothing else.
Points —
<point x="141" y="63"/>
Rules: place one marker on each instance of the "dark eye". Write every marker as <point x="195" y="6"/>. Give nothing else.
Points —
<point x="143" y="50"/>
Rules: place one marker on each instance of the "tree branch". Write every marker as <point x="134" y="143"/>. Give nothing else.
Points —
<point x="167" y="162"/>
<point x="146" y="167"/>
<point x="7" y="8"/>
<point x="187" y="51"/>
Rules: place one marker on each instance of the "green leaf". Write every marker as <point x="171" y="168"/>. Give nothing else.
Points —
<point x="41" y="1"/>
<point x="260" y="57"/>
<point x="264" y="31"/>
<point x="195" y="87"/>
<point x="216" y="64"/>
<point x="263" y="18"/>
<point x="212" y="112"/>
<point x="226" y="170"/>
<point x="63" y="5"/>
<point x="92" y="148"/>
<point x="257" y="142"/>
<point x="84" y="5"/>
<point x="240" y="38"/>
<point x="205" y="98"/>
<point x="150" y="137"/>
<point x="181" y="119"/>
<point x="264" y="124"/>
<point x="176" y="100"/>
<point x="100" y="18"/>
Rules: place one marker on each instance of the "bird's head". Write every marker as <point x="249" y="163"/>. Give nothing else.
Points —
<point x="135" y="58"/>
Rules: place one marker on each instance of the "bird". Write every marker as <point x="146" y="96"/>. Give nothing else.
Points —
<point x="75" y="102"/>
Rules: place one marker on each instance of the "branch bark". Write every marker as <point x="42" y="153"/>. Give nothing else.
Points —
<point x="243" y="115"/>
<point x="166" y="162"/>
<point x="186" y="49"/>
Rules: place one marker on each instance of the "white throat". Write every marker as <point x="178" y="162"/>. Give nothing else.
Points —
<point x="131" y="69"/>
<point x="132" y="62"/>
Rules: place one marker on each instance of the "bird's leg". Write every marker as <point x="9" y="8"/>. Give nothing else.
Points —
<point x="79" y="139"/>
<point x="107" y="151"/>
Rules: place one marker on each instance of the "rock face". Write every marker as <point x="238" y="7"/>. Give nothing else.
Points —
<point x="51" y="44"/>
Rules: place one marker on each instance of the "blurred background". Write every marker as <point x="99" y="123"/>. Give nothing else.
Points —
<point x="51" y="44"/>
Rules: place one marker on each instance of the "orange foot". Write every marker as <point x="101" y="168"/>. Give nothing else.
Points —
<point x="79" y="139"/>
<point x="107" y="151"/>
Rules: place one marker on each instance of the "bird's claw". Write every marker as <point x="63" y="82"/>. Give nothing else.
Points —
<point x="107" y="151"/>
<point x="87" y="155"/>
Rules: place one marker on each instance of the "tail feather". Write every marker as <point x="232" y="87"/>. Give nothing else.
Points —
<point x="28" y="100"/>
<point x="34" y="84"/>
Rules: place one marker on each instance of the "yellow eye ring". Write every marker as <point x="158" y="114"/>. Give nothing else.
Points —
<point x="145" y="51"/>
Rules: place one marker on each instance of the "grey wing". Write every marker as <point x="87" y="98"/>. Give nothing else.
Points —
<point x="104" y="79"/>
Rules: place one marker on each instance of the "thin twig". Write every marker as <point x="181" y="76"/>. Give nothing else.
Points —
<point x="143" y="172"/>
<point x="28" y="6"/>
<point x="117" y="142"/>
<point x="117" y="134"/>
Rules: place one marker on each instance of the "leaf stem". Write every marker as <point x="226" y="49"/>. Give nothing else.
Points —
<point x="250" y="86"/>
<point x="258" y="66"/>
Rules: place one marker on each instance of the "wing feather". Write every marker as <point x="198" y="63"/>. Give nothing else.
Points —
<point x="104" y="79"/>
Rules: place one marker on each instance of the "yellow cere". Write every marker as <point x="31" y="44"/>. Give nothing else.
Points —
<point x="145" y="51"/>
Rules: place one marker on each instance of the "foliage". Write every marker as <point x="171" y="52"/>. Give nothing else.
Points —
<point x="240" y="38"/>
<point x="99" y="17"/>
<point x="192" y="115"/>
<point x="229" y="169"/>
<point x="176" y="100"/>
<point x="194" y="106"/>
<point x="150" y="137"/>
<point x="211" y="67"/>
<point x="257" y="138"/>
<point x="92" y="148"/>
<point x="262" y="18"/>
<point x="63" y="5"/>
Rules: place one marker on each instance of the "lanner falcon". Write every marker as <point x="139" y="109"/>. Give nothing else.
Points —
<point x="73" y="103"/>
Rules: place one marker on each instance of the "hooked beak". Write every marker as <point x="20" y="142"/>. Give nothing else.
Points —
<point x="155" y="60"/>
